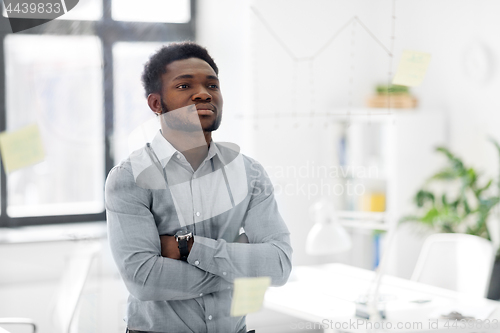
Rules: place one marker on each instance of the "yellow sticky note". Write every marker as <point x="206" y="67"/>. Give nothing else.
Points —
<point x="21" y="148"/>
<point x="248" y="295"/>
<point x="412" y="68"/>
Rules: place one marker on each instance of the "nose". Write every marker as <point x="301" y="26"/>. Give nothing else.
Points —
<point x="202" y="95"/>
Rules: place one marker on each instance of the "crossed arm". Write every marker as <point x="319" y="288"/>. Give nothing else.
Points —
<point x="170" y="248"/>
<point x="149" y="265"/>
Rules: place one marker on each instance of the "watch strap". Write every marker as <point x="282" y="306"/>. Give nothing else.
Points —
<point x="183" y="248"/>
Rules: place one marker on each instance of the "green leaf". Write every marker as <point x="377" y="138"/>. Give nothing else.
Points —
<point x="409" y="218"/>
<point x="446" y="174"/>
<point x="456" y="163"/>
<point x="470" y="178"/>
<point x="485" y="205"/>
<point x="424" y="196"/>
<point x="484" y="188"/>
<point x="444" y="200"/>
<point x="466" y="206"/>
<point x="430" y="216"/>
<point x="391" y="89"/>
<point x="447" y="228"/>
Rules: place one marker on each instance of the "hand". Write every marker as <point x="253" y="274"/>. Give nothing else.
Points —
<point x="170" y="247"/>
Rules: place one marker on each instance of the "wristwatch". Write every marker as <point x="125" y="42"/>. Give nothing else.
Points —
<point x="182" y="237"/>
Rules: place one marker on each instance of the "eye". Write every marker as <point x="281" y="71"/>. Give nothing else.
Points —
<point x="182" y="86"/>
<point x="213" y="86"/>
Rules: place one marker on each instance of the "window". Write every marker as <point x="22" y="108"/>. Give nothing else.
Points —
<point x="61" y="92"/>
<point x="78" y="79"/>
<point x="175" y="11"/>
<point x="130" y="108"/>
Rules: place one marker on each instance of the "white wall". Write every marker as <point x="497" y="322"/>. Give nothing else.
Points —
<point x="451" y="31"/>
<point x="260" y="74"/>
<point x="223" y="28"/>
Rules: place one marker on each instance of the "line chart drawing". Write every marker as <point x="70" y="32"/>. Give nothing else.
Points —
<point x="352" y="22"/>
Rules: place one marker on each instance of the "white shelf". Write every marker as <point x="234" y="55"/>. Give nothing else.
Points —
<point x="404" y="155"/>
<point x="340" y="114"/>
<point x="364" y="224"/>
<point x="359" y="215"/>
<point x="363" y="220"/>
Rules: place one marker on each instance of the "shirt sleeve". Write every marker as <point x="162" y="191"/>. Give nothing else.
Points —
<point x="269" y="251"/>
<point x="136" y="248"/>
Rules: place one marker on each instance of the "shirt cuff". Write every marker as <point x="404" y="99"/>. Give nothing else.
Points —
<point x="202" y="255"/>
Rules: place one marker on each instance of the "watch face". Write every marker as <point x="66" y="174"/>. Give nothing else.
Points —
<point x="183" y="235"/>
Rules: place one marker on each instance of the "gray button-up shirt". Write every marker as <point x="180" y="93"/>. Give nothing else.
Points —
<point x="155" y="192"/>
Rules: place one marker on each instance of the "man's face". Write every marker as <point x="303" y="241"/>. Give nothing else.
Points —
<point x="192" y="81"/>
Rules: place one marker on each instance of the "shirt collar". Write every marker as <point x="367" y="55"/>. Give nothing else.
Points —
<point x="164" y="149"/>
<point x="213" y="150"/>
<point x="228" y="153"/>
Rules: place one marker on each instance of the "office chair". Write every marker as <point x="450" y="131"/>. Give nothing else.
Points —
<point x="69" y="291"/>
<point x="16" y="321"/>
<point x="456" y="261"/>
<point x="71" y="285"/>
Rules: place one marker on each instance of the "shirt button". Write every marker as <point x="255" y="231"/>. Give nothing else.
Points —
<point x="196" y="263"/>
<point x="210" y="317"/>
<point x="224" y="273"/>
<point x="178" y="156"/>
<point x="201" y="294"/>
<point x="198" y="214"/>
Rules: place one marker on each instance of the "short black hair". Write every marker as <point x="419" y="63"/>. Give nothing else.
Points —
<point x="157" y="64"/>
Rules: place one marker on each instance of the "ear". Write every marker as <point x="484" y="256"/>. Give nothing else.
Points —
<point x="154" y="102"/>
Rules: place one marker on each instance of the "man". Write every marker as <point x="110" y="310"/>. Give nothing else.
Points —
<point x="176" y="208"/>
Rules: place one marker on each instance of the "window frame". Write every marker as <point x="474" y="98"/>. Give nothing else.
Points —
<point x="109" y="32"/>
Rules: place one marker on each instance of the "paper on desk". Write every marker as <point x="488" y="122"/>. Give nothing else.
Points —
<point x="248" y="295"/>
<point x="412" y="68"/>
<point x="21" y="148"/>
<point x="477" y="312"/>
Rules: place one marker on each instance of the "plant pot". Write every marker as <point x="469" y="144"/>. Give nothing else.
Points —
<point x="494" y="289"/>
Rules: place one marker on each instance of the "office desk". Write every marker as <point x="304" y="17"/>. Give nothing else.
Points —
<point x="325" y="295"/>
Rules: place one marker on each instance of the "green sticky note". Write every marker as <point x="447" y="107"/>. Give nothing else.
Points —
<point x="412" y="68"/>
<point x="248" y="295"/>
<point x="21" y="148"/>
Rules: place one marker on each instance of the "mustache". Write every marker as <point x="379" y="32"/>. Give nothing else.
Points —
<point x="164" y="108"/>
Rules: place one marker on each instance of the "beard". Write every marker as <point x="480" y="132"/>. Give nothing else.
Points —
<point x="180" y="119"/>
<point x="183" y="122"/>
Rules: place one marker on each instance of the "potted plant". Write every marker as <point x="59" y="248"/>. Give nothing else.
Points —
<point x="393" y="96"/>
<point x="457" y="199"/>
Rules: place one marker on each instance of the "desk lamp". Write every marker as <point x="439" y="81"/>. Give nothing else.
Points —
<point x="369" y="306"/>
<point x="327" y="236"/>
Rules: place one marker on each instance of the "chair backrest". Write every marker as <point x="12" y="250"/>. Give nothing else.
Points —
<point x="456" y="261"/>
<point x="72" y="283"/>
